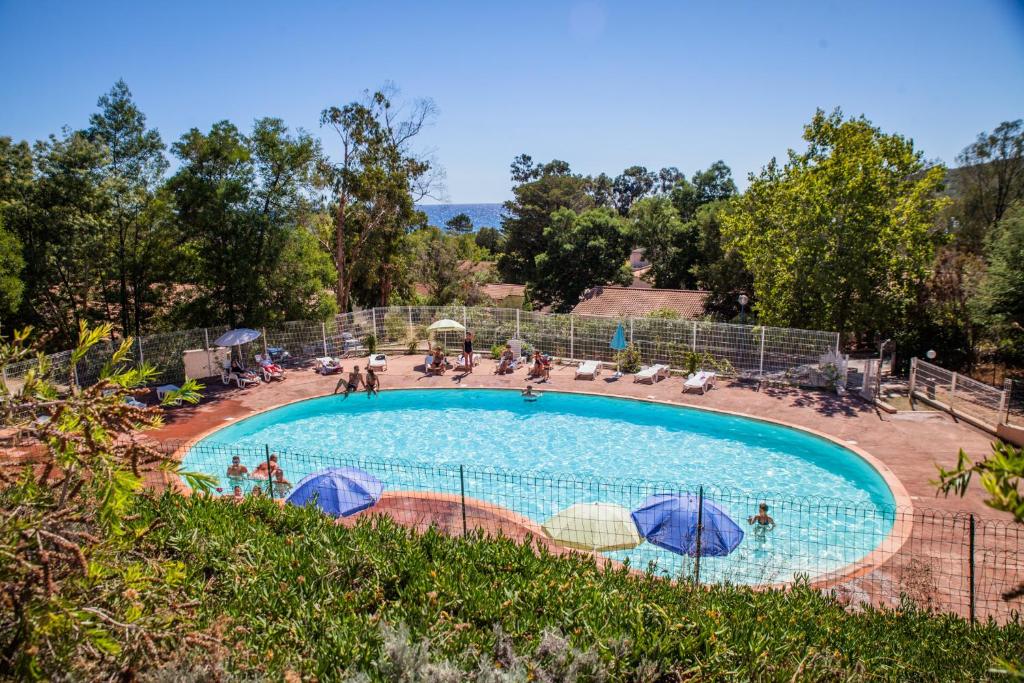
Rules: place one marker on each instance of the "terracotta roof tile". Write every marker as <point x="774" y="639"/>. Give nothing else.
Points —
<point x="502" y="290"/>
<point x="624" y="302"/>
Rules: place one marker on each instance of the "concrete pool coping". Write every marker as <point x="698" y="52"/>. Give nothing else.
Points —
<point x="900" y="532"/>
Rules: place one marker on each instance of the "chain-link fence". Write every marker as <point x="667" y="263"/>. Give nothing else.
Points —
<point x="778" y="354"/>
<point x="867" y="554"/>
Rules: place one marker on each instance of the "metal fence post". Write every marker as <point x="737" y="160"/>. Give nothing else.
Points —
<point x="630" y="330"/>
<point x="972" y="570"/>
<point x="913" y="376"/>
<point x="572" y="337"/>
<point x="761" y="366"/>
<point x="694" y="345"/>
<point x="323" y="335"/>
<point x="462" y="491"/>
<point x="700" y="530"/>
<point x="142" y="359"/>
<point x="408" y="310"/>
<point x="464" y="324"/>
<point x="373" y="320"/>
<point x="517" y="323"/>
<point x="265" y="352"/>
<point x="270" y="474"/>
<point x="952" y="390"/>
<point x="209" y="354"/>
<point x="1003" y="416"/>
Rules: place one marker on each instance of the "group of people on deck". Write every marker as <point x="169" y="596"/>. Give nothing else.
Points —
<point x="268" y="471"/>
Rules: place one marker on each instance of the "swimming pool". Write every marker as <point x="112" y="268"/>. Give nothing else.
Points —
<point x="831" y="507"/>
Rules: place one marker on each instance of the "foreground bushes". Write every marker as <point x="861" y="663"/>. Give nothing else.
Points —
<point x="288" y="593"/>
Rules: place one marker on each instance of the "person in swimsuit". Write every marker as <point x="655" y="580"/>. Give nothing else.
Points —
<point x="438" y="366"/>
<point x="540" y="369"/>
<point x="467" y="352"/>
<point x="238" y="495"/>
<point x="372" y="382"/>
<point x="355" y="378"/>
<point x="281" y="485"/>
<point x="265" y="470"/>
<point x="762" y="520"/>
<point x="236" y="470"/>
<point x="529" y="395"/>
<point x="505" y="364"/>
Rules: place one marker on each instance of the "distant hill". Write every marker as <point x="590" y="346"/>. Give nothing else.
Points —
<point x="482" y="215"/>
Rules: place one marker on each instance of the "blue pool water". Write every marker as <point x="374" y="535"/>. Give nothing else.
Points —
<point x="830" y="506"/>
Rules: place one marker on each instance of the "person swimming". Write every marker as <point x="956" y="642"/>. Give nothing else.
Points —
<point x="529" y="394"/>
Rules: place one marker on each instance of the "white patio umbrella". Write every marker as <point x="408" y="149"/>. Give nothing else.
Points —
<point x="446" y="325"/>
<point x="594" y="526"/>
<point x="243" y="335"/>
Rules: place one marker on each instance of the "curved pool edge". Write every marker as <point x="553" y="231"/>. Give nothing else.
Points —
<point x="903" y="507"/>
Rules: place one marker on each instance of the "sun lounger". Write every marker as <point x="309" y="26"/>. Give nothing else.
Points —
<point x="652" y="374"/>
<point x="269" y="370"/>
<point x="325" y="365"/>
<point x="378" y="362"/>
<point x="588" y="369"/>
<point x="460" y="362"/>
<point x="702" y="381"/>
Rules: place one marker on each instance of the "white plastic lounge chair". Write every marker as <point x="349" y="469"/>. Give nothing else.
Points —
<point x="379" y="362"/>
<point x="165" y="389"/>
<point x="701" y="381"/>
<point x="269" y="370"/>
<point x="229" y="376"/>
<point x="652" y="374"/>
<point x="588" y="369"/>
<point x="517" y="351"/>
<point x="325" y="365"/>
<point x="459" y="363"/>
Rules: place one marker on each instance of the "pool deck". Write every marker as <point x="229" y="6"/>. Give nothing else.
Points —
<point x="926" y="556"/>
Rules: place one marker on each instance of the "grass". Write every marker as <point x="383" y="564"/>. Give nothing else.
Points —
<point x="289" y="593"/>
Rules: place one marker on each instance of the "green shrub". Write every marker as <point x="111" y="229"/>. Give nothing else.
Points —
<point x="370" y="342"/>
<point x="497" y="350"/>
<point x="628" y="359"/>
<point x="412" y="346"/>
<point x="291" y="591"/>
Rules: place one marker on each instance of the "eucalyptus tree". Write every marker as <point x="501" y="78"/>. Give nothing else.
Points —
<point x="376" y="183"/>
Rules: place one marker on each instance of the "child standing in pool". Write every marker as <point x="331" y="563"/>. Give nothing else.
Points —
<point x="762" y="522"/>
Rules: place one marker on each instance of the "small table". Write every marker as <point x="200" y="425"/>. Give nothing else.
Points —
<point x="162" y="391"/>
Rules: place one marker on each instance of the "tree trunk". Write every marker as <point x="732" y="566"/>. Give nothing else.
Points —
<point x="341" y="292"/>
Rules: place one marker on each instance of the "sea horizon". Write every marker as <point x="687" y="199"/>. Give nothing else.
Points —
<point x="482" y="214"/>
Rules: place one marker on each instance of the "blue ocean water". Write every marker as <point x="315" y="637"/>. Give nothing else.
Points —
<point x="482" y="215"/>
<point x="831" y="507"/>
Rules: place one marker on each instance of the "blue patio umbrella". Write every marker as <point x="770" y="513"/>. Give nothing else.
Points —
<point x="618" y="343"/>
<point x="338" y="491"/>
<point x="670" y="522"/>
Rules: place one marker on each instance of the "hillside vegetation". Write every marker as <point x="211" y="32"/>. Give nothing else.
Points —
<point x="289" y="593"/>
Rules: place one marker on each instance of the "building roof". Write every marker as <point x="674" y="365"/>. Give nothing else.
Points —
<point x="628" y="302"/>
<point x="502" y="290"/>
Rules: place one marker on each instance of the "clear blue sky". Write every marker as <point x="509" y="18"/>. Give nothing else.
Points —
<point x="602" y="85"/>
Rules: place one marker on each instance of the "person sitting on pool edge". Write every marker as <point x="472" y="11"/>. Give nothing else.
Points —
<point x="762" y="519"/>
<point x="355" y="378"/>
<point x="372" y="382"/>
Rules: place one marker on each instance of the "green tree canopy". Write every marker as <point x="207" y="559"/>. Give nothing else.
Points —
<point x="491" y="239"/>
<point x="581" y="250"/>
<point x="841" y="236"/>
<point x="547" y="188"/>
<point x="459" y="224"/>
